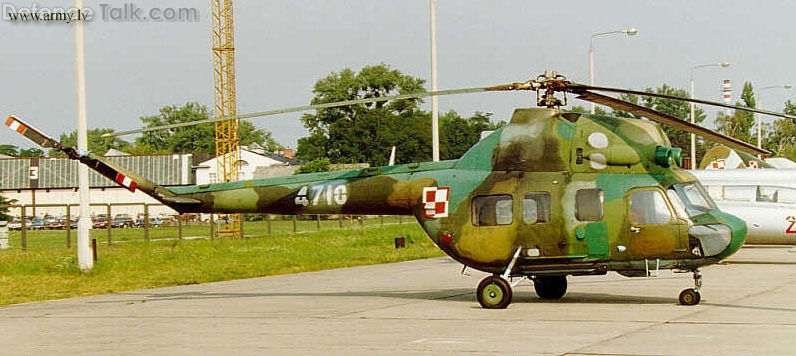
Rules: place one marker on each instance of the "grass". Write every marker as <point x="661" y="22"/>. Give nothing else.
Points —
<point x="57" y="238"/>
<point x="42" y="272"/>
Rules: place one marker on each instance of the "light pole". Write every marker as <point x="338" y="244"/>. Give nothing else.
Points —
<point x="85" y="259"/>
<point x="630" y="32"/>
<point x="760" y="106"/>
<point x="693" y="116"/>
<point x="434" y="100"/>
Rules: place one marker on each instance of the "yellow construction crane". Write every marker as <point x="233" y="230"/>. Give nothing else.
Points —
<point x="227" y="140"/>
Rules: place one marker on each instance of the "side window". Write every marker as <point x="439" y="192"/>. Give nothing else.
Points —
<point x="737" y="193"/>
<point x="776" y="195"/>
<point x="491" y="210"/>
<point x="715" y="191"/>
<point x="589" y="204"/>
<point x="767" y="194"/>
<point x="679" y="207"/>
<point x="787" y="196"/>
<point x="536" y="208"/>
<point x="648" y="207"/>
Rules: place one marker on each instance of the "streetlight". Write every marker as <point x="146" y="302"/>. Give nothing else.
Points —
<point x="693" y="116"/>
<point x="760" y="106"/>
<point x="630" y="32"/>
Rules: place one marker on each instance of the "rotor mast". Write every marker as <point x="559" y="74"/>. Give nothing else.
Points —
<point x="227" y="140"/>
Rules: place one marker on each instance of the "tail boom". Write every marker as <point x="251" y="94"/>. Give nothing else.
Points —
<point x="119" y="175"/>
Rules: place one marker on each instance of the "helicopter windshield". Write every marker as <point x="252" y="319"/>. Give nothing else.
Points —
<point x="694" y="198"/>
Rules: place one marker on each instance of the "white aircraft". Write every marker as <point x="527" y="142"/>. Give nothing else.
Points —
<point x="763" y="197"/>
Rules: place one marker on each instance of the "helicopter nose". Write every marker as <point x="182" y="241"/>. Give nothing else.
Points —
<point x="739" y="229"/>
<point x="722" y="238"/>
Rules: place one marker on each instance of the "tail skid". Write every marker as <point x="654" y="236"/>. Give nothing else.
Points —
<point x="121" y="176"/>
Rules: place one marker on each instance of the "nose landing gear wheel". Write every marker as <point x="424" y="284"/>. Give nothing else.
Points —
<point x="494" y="293"/>
<point x="690" y="297"/>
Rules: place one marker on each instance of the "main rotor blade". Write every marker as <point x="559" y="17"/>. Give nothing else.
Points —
<point x="504" y="87"/>
<point x="671" y="121"/>
<point x="579" y="88"/>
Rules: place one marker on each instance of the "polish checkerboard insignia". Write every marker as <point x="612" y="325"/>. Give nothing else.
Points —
<point x="719" y="164"/>
<point x="435" y="201"/>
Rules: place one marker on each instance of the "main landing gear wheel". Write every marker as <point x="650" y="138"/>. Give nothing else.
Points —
<point x="494" y="293"/>
<point x="550" y="287"/>
<point x="691" y="296"/>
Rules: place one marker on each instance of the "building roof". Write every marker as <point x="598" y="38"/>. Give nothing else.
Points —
<point x="115" y="152"/>
<point x="272" y="156"/>
<point x="61" y="172"/>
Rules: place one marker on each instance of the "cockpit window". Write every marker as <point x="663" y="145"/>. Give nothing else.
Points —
<point x="695" y="197"/>
<point x="679" y="206"/>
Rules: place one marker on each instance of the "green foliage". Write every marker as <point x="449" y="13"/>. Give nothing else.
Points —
<point x="458" y="134"/>
<point x="675" y="108"/>
<point x="598" y="110"/>
<point x="781" y="134"/>
<point x="316" y="165"/>
<point x="366" y="133"/>
<point x="31" y="152"/>
<point x="196" y="138"/>
<point x="4" y="206"/>
<point x="739" y="125"/>
<point x="9" y="150"/>
<point x="96" y="143"/>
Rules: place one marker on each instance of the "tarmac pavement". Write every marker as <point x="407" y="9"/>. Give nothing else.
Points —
<point x="425" y="307"/>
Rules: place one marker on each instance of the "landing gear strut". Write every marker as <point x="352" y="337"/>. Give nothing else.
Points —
<point x="691" y="296"/>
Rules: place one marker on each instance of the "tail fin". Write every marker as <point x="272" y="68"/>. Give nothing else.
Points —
<point x="121" y="176"/>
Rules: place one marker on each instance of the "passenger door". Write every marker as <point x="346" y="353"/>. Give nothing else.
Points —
<point x="652" y="228"/>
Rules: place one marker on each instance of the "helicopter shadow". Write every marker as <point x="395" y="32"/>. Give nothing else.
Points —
<point x="461" y="295"/>
<point x="453" y="295"/>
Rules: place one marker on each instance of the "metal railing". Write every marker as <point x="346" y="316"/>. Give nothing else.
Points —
<point x="170" y="227"/>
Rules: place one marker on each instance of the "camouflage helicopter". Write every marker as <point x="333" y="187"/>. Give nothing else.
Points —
<point x="552" y="193"/>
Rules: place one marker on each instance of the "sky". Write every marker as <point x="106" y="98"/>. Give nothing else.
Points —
<point x="284" y="46"/>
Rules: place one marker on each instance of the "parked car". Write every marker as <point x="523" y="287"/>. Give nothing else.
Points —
<point x="15" y="224"/>
<point x="49" y="220"/>
<point x="36" y="224"/>
<point x="122" y="221"/>
<point x="99" y="223"/>
<point x="153" y="222"/>
<point x="57" y="224"/>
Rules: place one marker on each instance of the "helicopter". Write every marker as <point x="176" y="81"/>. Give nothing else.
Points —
<point x="551" y="194"/>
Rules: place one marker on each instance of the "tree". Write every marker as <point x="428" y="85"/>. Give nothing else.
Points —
<point x="5" y="203"/>
<point x="14" y="151"/>
<point x="195" y="138"/>
<point x="739" y="124"/>
<point x="316" y="165"/>
<point x="458" y="134"/>
<point x="96" y="143"/>
<point x="781" y="135"/>
<point x="31" y="152"/>
<point x="598" y="110"/>
<point x="9" y="150"/>
<point x="679" y="109"/>
<point x="365" y="132"/>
